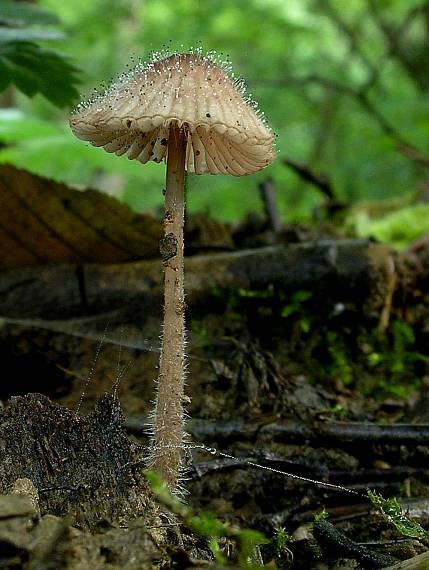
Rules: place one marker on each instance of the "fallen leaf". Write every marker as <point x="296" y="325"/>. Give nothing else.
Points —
<point x="42" y="221"/>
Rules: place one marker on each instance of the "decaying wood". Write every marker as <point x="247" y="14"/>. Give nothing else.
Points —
<point x="77" y="464"/>
<point x="295" y="431"/>
<point x="353" y="270"/>
<point x="337" y="543"/>
<point x="63" y="475"/>
<point x="74" y="495"/>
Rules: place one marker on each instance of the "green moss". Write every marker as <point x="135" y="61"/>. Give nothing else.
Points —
<point x="392" y="360"/>
<point x="341" y="367"/>
<point x="305" y="334"/>
<point x="398" y="228"/>
<point x="200" y="333"/>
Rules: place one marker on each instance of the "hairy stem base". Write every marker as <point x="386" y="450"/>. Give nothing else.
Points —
<point x="169" y="413"/>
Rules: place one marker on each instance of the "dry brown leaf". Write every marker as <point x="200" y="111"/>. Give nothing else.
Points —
<point x="42" y="221"/>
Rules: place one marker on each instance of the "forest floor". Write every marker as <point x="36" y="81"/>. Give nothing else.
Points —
<point x="308" y="384"/>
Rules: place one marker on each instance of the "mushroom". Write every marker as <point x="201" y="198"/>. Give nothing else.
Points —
<point x="187" y="110"/>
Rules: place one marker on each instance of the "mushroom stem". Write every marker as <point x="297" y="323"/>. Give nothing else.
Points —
<point x="168" y="426"/>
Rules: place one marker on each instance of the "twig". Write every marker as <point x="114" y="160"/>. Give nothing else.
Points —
<point x="391" y="281"/>
<point x="361" y="96"/>
<point x="415" y="155"/>
<point x="394" y="34"/>
<point x="319" y="180"/>
<point x="294" y="431"/>
<point x="266" y="189"/>
<point x="335" y="541"/>
<point x="350" y="33"/>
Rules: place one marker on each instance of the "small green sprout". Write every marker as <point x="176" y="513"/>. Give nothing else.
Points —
<point x="320" y="516"/>
<point x="208" y="526"/>
<point x="281" y="539"/>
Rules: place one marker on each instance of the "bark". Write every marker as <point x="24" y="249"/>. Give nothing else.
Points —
<point x="346" y="269"/>
<point x="77" y="464"/>
<point x="294" y="432"/>
<point x="335" y="542"/>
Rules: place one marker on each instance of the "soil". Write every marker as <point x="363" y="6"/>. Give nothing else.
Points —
<point x="307" y="358"/>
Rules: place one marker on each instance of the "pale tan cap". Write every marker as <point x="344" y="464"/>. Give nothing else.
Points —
<point x="226" y="134"/>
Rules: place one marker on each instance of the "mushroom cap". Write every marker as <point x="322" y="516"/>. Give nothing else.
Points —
<point x="226" y="135"/>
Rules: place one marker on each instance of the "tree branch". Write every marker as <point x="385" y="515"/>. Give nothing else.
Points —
<point x="400" y="50"/>
<point x="361" y="96"/>
<point x="350" y="33"/>
<point x="318" y="180"/>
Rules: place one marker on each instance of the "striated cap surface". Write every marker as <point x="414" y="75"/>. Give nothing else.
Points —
<point x="226" y="135"/>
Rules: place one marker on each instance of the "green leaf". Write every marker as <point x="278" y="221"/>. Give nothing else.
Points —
<point x="305" y="324"/>
<point x="216" y="551"/>
<point x="301" y="296"/>
<point x="392" y="512"/>
<point x="208" y="525"/>
<point x="16" y="127"/>
<point x="249" y="540"/>
<point x="5" y="76"/>
<point x="29" y="35"/>
<point x="288" y="310"/>
<point x="267" y="293"/>
<point x="14" y="14"/>
<point x="36" y="70"/>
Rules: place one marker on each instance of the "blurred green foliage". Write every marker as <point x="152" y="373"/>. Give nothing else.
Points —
<point x="24" y="63"/>
<point x="344" y="85"/>
<point x="397" y="228"/>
